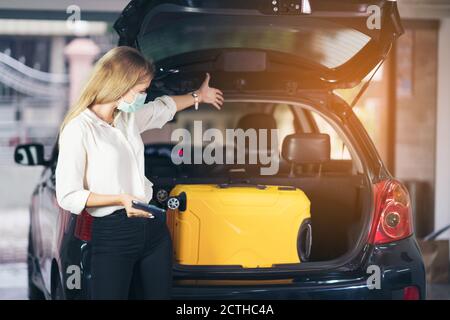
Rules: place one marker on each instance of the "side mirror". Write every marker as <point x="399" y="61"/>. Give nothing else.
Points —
<point x="30" y="154"/>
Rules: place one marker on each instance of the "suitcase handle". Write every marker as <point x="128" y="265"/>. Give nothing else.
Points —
<point x="248" y="185"/>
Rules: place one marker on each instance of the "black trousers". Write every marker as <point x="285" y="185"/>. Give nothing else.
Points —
<point x="130" y="248"/>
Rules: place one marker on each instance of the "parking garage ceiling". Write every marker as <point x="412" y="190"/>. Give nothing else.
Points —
<point x="98" y="10"/>
<point x="107" y="10"/>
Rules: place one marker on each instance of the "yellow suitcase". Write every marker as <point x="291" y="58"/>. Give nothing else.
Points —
<point x="251" y="226"/>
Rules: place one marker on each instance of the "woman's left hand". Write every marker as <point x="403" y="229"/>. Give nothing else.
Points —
<point x="210" y="95"/>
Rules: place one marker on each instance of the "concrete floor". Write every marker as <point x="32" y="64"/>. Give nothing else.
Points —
<point x="13" y="235"/>
<point x="13" y="281"/>
<point x="13" y="253"/>
<point x="13" y="269"/>
<point x="438" y="292"/>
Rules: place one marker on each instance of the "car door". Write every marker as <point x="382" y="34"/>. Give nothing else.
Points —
<point x="52" y="220"/>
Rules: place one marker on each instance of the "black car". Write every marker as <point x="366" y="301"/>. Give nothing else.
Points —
<point x="279" y="63"/>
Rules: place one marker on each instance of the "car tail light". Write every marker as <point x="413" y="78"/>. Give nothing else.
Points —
<point x="83" y="227"/>
<point x="392" y="219"/>
<point x="411" y="293"/>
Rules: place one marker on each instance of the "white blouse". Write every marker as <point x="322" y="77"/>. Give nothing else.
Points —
<point x="97" y="157"/>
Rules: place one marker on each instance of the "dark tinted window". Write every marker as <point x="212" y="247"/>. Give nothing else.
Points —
<point x="316" y="40"/>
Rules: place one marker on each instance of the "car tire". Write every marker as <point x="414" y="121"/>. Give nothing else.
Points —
<point x="34" y="293"/>
<point x="57" y="291"/>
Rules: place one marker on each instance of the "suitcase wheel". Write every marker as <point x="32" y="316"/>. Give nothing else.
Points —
<point x="178" y="202"/>
<point x="304" y="240"/>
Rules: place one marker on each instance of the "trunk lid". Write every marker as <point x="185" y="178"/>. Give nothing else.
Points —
<point x="319" y="43"/>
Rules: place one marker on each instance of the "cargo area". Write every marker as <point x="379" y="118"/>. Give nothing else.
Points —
<point x="314" y="161"/>
<point x="337" y="207"/>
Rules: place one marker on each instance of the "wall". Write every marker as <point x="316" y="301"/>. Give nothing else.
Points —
<point x="443" y="130"/>
<point x="415" y="120"/>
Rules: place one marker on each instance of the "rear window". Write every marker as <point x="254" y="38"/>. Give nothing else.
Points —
<point x="315" y="40"/>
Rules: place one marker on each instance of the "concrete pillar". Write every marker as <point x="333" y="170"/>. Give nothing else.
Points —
<point x="81" y="53"/>
<point x="57" y="55"/>
<point x="442" y="195"/>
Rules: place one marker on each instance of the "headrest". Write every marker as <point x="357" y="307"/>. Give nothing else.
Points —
<point x="300" y="148"/>
<point x="257" y="121"/>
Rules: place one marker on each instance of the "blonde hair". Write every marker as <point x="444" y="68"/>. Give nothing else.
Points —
<point x="114" y="74"/>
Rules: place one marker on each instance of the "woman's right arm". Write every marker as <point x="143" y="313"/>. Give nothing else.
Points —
<point x="96" y="199"/>
<point x="69" y="173"/>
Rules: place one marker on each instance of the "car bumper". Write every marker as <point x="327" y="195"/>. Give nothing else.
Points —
<point x="400" y="266"/>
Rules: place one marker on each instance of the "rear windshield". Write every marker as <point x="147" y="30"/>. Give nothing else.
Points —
<point x="315" y="40"/>
<point x="286" y="118"/>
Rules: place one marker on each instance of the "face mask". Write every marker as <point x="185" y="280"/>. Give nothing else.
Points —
<point x="138" y="103"/>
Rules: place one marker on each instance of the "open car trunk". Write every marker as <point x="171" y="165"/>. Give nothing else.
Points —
<point x="262" y="48"/>
<point x="340" y="209"/>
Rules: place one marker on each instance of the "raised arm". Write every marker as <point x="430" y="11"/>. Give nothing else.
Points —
<point x="157" y="113"/>
<point x="205" y="93"/>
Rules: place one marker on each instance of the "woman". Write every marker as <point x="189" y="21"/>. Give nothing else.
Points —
<point x="100" y="169"/>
